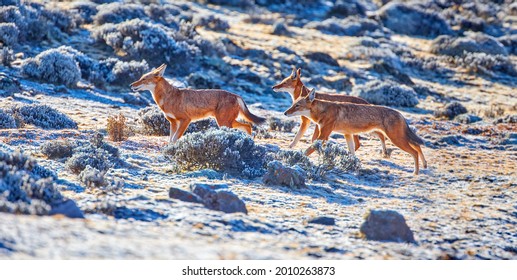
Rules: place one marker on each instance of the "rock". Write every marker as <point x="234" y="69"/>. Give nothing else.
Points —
<point x="347" y="8"/>
<point x="278" y="174"/>
<point x="216" y="198"/>
<point x="322" y="57"/>
<point x="509" y="42"/>
<point x="184" y="195"/>
<point x="67" y="208"/>
<point x="450" y="140"/>
<point x="8" y="85"/>
<point x="507" y="119"/>
<point x="280" y="28"/>
<point x="385" y="68"/>
<point x="467" y="118"/>
<point x="135" y="99"/>
<point x="410" y="20"/>
<point x="386" y="93"/>
<point x="473" y="43"/>
<point x="323" y="220"/>
<point x="451" y="110"/>
<point x="386" y="225"/>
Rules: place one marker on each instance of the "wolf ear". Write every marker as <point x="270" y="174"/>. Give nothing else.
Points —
<point x="299" y="73"/>
<point x="312" y="95"/>
<point x="293" y="73"/>
<point x="160" y="70"/>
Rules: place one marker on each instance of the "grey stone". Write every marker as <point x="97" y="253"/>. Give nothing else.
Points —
<point x="67" y="208"/>
<point x="386" y="225"/>
<point x="278" y="174"/>
<point x="323" y="220"/>
<point x="184" y="195"/>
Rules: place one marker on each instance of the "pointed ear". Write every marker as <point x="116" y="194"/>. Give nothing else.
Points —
<point x="293" y="73"/>
<point x="160" y="70"/>
<point x="299" y="72"/>
<point x="312" y="95"/>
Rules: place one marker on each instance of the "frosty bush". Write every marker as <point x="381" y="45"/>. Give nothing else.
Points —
<point x="118" y="12"/>
<point x="93" y="178"/>
<point x="347" y="8"/>
<point x="123" y="73"/>
<point x="333" y="157"/>
<point x="26" y="187"/>
<point x="509" y="42"/>
<point x="451" y="110"/>
<point x="152" y="121"/>
<point x="482" y="63"/>
<point x="155" y="43"/>
<point x="474" y="43"/>
<point x="43" y="116"/>
<point x="211" y="22"/>
<point x="54" y="66"/>
<point x="7" y="121"/>
<point x="85" y="9"/>
<point x="96" y="153"/>
<point x="165" y="14"/>
<point x="281" y="125"/>
<point x="346" y="27"/>
<point x="410" y="20"/>
<point x="6" y="56"/>
<point x="201" y="81"/>
<point x="386" y="93"/>
<point x="9" y="34"/>
<point x="224" y="149"/>
<point x="57" y="149"/>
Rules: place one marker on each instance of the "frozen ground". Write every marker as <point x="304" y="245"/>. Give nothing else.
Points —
<point x="463" y="206"/>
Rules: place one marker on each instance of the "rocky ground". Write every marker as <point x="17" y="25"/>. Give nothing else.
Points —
<point x="463" y="206"/>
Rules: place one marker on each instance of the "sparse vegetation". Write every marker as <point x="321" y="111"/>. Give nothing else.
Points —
<point x="54" y="66"/>
<point x="281" y="125"/>
<point x="96" y="154"/>
<point x="117" y="128"/>
<point x="43" y="116"/>
<point x="57" y="149"/>
<point x="386" y="93"/>
<point x="223" y="149"/>
<point x="26" y="187"/>
<point x="7" y="121"/>
<point x="152" y="121"/>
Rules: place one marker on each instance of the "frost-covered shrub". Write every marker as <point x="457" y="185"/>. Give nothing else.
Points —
<point x="292" y="158"/>
<point x="333" y="157"/>
<point x="6" y="56"/>
<point x="152" y="121"/>
<point x="43" y="116"/>
<point x="411" y="20"/>
<point x="118" y="12"/>
<point x="281" y="125"/>
<point x="231" y="3"/>
<point x="57" y="149"/>
<point x="94" y="178"/>
<point x="165" y="14"/>
<point x="9" y="34"/>
<point x="122" y="73"/>
<point x="450" y="111"/>
<point x="96" y="153"/>
<point x="347" y="8"/>
<point x="224" y="149"/>
<point x="373" y="54"/>
<point x="7" y="121"/>
<point x="85" y="9"/>
<point x="201" y="81"/>
<point x="201" y="125"/>
<point x="483" y="63"/>
<point x="26" y="187"/>
<point x="54" y="66"/>
<point x="346" y="27"/>
<point x="322" y="57"/>
<point x="8" y="85"/>
<point x="211" y="22"/>
<point x="153" y="42"/>
<point x="474" y="43"/>
<point x="386" y="93"/>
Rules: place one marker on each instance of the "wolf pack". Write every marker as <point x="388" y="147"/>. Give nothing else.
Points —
<point x="331" y="112"/>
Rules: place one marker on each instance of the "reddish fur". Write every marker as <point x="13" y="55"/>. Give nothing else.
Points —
<point x="181" y="106"/>
<point x="349" y="119"/>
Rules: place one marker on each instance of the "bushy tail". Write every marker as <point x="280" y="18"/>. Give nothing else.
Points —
<point x="413" y="138"/>
<point x="248" y="115"/>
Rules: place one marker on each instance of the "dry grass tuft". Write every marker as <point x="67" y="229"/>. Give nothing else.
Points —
<point x="117" y="128"/>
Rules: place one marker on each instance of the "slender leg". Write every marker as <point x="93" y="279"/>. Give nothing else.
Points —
<point x="324" y="136"/>
<point x="404" y="145"/>
<point x="350" y="143"/>
<point x="316" y="133"/>
<point x="356" y="142"/>
<point x="183" y="124"/>
<point x="419" y="150"/>
<point x="303" y="127"/>
<point x="383" y="143"/>
<point x="173" y="128"/>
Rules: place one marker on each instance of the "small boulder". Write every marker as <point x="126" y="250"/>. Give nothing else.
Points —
<point x="322" y="57"/>
<point x="280" y="29"/>
<point x="8" y="85"/>
<point x="450" y="111"/>
<point x="323" y="220"/>
<point x="473" y="43"/>
<point x="278" y="174"/>
<point x="67" y="208"/>
<point x="184" y="195"/>
<point x="215" y="197"/>
<point x="386" y="225"/>
<point x="467" y="118"/>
